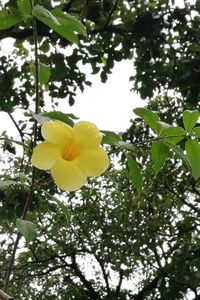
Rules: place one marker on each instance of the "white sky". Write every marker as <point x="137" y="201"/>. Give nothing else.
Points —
<point x="109" y="105"/>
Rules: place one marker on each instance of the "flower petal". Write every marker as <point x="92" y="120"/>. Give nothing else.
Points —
<point x="87" y="135"/>
<point x="67" y="175"/>
<point x="45" y="155"/>
<point x="57" y="132"/>
<point x="93" y="162"/>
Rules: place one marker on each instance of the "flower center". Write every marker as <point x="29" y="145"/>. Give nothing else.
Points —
<point x="70" y="151"/>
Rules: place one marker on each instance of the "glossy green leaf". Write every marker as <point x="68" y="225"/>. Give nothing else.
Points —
<point x="27" y="229"/>
<point x="24" y="7"/>
<point x="41" y="12"/>
<point x="148" y="116"/>
<point x="190" y="119"/>
<point x="68" y="26"/>
<point x="58" y="115"/>
<point x="173" y="134"/>
<point x="196" y="132"/>
<point x="161" y="126"/>
<point x="179" y="153"/>
<point x="159" y="154"/>
<point x="110" y="138"/>
<point x="44" y="73"/>
<point x="67" y="20"/>
<point x="9" y="18"/>
<point x="45" y="47"/>
<point x="193" y="154"/>
<point x="135" y="173"/>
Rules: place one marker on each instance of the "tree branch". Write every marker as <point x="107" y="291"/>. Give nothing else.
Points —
<point x="49" y="271"/>
<point x="150" y="286"/>
<point x="111" y="13"/>
<point x="91" y="292"/>
<point x="121" y="274"/>
<point x="99" y="260"/>
<point x="17" y="127"/>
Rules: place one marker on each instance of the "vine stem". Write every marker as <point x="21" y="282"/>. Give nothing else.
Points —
<point x="33" y="173"/>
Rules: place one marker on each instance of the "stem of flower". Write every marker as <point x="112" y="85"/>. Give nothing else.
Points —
<point x="35" y="129"/>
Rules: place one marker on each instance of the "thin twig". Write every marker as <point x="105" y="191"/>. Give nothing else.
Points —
<point x="22" y="138"/>
<point x="13" y="141"/>
<point x="17" y="126"/>
<point x="117" y="292"/>
<point x="110" y="14"/>
<point x="11" y="263"/>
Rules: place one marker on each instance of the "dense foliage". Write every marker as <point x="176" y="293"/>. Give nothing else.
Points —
<point x="132" y="233"/>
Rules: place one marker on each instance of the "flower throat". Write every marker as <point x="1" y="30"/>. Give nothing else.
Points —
<point x="70" y="151"/>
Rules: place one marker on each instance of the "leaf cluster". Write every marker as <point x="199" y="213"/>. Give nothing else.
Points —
<point x="162" y="38"/>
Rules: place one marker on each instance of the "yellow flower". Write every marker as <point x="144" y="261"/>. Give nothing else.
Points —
<point x="72" y="154"/>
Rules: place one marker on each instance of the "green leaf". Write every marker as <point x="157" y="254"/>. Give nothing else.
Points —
<point x="161" y="126"/>
<point x="190" y="119"/>
<point x="68" y="26"/>
<point x="9" y="18"/>
<point x="44" y="73"/>
<point x="173" y="134"/>
<point x="41" y="12"/>
<point x="110" y="138"/>
<point x="193" y="154"/>
<point x="178" y="151"/>
<point x="148" y="116"/>
<point x="196" y="132"/>
<point x="69" y="21"/>
<point x="45" y="47"/>
<point x="25" y="8"/>
<point x="27" y="229"/>
<point x="135" y="173"/>
<point x="159" y="154"/>
<point x="58" y="115"/>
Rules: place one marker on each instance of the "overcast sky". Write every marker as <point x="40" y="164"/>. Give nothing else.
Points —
<point x="109" y="105"/>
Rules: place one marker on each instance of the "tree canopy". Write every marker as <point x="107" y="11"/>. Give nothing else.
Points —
<point x="133" y="232"/>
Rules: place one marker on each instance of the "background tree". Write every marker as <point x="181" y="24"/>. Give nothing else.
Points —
<point x="134" y="232"/>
